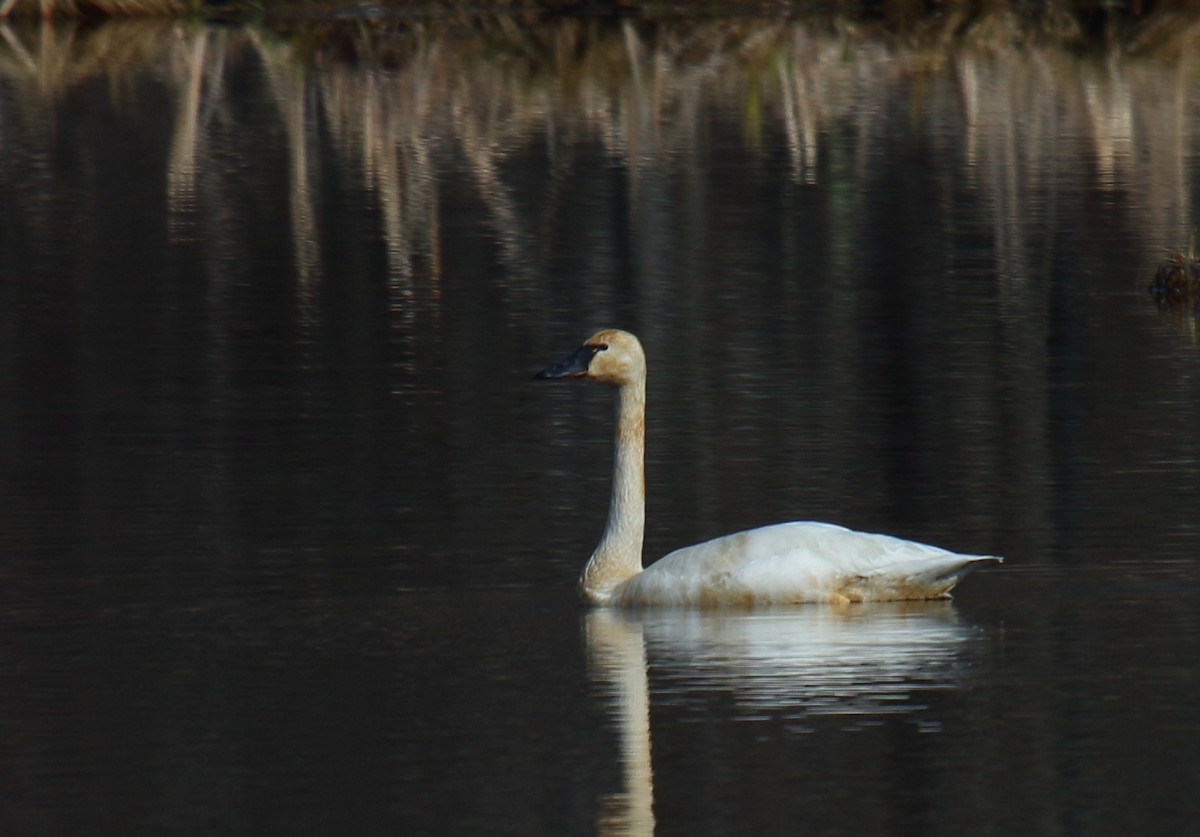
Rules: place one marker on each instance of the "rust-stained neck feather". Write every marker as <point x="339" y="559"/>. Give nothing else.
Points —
<point x="619" y="555"/>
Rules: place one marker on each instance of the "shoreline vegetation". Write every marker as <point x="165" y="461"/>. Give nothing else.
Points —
<point x="1077" y="22"/>
<point x="1098" y="26"/>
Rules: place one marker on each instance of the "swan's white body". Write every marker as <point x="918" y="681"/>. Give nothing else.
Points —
<point x="781" y="564"/>
<point x="789" y="563"/>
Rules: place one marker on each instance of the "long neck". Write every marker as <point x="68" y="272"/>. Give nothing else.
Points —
<point x="619" y="555"/>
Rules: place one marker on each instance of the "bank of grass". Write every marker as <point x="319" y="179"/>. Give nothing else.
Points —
<point x="98" y="8"/>
<point x="363" y="28"/>
<point x="1076" y="17"/>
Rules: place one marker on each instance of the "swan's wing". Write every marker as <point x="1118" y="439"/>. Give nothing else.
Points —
<point x="798" y="562"/>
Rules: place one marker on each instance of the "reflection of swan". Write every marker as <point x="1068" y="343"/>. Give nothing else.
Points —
<point x="618" y="659"/>
<point x="809" y="660"/>
<point x="798" y="661"/>
<point x="785" y="563"/>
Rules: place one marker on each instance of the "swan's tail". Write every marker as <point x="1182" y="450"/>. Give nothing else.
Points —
<point x="948" y="576"/>
<point x="918" y="579"/>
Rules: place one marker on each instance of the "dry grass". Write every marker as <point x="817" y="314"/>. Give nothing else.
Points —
<point x="94" y="8"/>
<point x="915" y="23"/>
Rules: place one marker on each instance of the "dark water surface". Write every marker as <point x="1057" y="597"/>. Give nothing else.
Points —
<point x="288" y="540"/>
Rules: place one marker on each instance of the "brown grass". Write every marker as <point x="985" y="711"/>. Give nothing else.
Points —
<point x="94" y="8"/>
<point x="919" y="24"/>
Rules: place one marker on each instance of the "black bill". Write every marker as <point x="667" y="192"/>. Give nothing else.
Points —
<point x="575" y="366"/>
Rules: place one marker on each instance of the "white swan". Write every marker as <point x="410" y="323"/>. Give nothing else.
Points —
<point x="785" y="563"/>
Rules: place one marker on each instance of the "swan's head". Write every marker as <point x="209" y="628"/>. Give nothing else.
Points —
<point x="612" y="356"/>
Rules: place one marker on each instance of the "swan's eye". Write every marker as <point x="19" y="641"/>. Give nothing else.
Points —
<point x="600" y="347"/>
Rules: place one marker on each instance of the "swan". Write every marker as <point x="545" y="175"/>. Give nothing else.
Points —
<point x="784" y="563"/>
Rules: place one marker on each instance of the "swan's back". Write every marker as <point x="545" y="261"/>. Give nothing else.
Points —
<point x="797" y="562"/>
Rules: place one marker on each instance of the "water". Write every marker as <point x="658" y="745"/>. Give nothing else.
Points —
<point x="288" y="539"/>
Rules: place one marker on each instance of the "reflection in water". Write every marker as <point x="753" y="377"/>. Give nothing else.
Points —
<point x="423" y="114"/>
<point x="618" y="658"/>
<point x="798" y="662"/>
<point x="859" y="661"/>
<point x="417" y="99"/>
